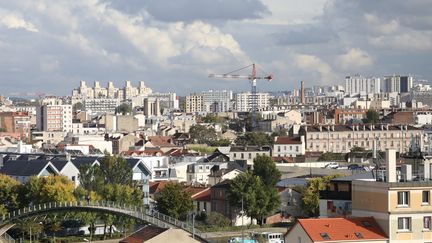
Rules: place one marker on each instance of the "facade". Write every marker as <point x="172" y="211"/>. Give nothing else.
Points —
<point x="401" y="207"/>
<point x="217" y="100"/>
<point x="152" y="107"/>
<point x="361" y="85"/>
<point x="248" y="153"/>
<point x="16" y="122"/>
<point x="54" y="116"/>
<point x="397" y="83"/>
<point x="110" y="92"/>
<point x="167" y="101"/>
<point x="199" y="172"/>
<point x="341" y="138"/>
<point x="101" y="105"/>
<point x="243" y="101"/>
<point x="288" y="147"/>
<point x="194" y="103"/>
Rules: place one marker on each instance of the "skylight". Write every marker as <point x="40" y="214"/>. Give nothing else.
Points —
<point x="358" y="235"/>
<point x="325" y="236"/>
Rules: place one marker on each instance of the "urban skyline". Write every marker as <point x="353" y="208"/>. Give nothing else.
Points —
<point x="319" y="42"/>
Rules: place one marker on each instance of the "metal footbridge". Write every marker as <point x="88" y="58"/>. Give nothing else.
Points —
<point x="141" y="214"/>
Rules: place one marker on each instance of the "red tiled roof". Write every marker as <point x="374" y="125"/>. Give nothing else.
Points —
<point x="287" y="140"/>
<point x="202" y="196"/>
<point x="342" y="229"/>
<point x="144" y="234"/>
<point x="156" y="186"/>
<point x="280" y="159"/>
<point x="161" y="141"/>
<point x="194" y="189"/>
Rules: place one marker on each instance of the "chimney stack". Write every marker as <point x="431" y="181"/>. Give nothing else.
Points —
<point x="391" y="165"/>
<point x="302" y="94"/>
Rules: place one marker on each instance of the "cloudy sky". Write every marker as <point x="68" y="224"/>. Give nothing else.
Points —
<point x="50" y="45"/>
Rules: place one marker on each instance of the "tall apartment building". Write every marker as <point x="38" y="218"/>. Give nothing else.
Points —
<point x="361" y="85"/>
<point x="152" y="107"/>
<point x="217" y="100"/>
<point x="52" y="115"/>
<point x="168" y="101"/>
<point x="97" y="91"/>
<point x="243" y="101"/>
<point x="101" y="105"/>
<point x="397" y="83"/>
<point x="341" y="138"/>
<point x="194" y="103"/>
<point x="402" y="207"/>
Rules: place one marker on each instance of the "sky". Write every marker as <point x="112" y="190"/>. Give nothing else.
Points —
<point x="48" y="46"/>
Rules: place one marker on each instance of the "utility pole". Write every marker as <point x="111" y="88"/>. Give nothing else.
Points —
<point x="242" y="215"/>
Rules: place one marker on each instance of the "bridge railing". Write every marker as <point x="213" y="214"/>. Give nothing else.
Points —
<point x="140" y="212"/>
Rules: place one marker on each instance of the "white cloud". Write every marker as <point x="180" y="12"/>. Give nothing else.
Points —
<point x="407" y="41"/>
<point x="354" y="60"/>
<point x="313" y="63"/>
<point x="13" y="21"/>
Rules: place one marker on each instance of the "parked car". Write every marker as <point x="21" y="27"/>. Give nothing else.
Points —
<point x="332" y="165"/>
<point x="355" y="167"/>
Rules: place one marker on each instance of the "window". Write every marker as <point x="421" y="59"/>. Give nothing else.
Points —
<point x="403" y="198"/>
<point x="404" y="224"/>
<point x="425" y="197"/>
<point x="427" y="223"/>
<point x="325" y="236"/>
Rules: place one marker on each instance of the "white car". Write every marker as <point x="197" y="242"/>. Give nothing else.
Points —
<point x="332" y="165"/>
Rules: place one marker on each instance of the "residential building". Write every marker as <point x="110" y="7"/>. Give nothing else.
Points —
<point x="168" y="101"/>
<point x="151" y="107"/>
<point x="217" y="100"/>
<point x="22" y="170"/>
<point x="361" y="85"/>
<point x="243" y="101"/>
<point x="194" y="103"/>
<point x="202" y="201"/>
<point x="248" y="153"/>
<point x="398" y="83"/>
<point x="401" y="206"/>
<point x="284" y="146"/>
<point x="341" y="138"/>
<point x="362" y="229"/>
<point x="101" y="105"/>
<point x="198" y="173"/>
<point x="346" y="116"/>
<point x="54" y="116"/>
<point x="16" y="122"/>
<point x="128" y="91"/>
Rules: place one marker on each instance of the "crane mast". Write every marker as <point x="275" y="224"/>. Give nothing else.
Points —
<point x="253" y="98"/>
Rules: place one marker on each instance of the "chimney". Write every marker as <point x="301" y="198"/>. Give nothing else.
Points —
<point x="302" y="94"/>
<point x="391" y="165"/>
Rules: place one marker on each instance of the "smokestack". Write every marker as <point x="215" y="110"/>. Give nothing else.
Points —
<point x="302" y="94"/>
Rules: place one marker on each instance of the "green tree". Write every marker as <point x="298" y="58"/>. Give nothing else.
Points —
<point x="202" y="134"/>
<point x="90" y="177"/>
<point x="9" y="194"/>
<point x="372" y="116"/>
<point x="310" y="194"/>
<point x="172" y="200"/>
<point x="114" y="170"/>
<point x="221" y="142"/>
<point x="122" y="194"/>
<point x="53" y="188"/>
<point x="123" y="109"/>
<point x="212" y="118"/>
<point x="78" y="106"/>
<point x="254" y="139"/>
<point x="265" y="168"/>
<point x="258" y="200"/>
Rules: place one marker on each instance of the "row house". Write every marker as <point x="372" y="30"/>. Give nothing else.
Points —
<point x="341" y="138"/>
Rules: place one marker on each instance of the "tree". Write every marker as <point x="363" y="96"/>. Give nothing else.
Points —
<point x="254" y="139"/>
<point x="258" y="200"/>
<point x="78" y="106"/>
<point x="221" y="142"/>
<point x="212" y="118"/>
<point x="122" y="194"/>
<point x="123" y="109"/>
<point x="53" y="188"/>
<point x="329" y="156"/>
<point x="357" y="149"/>
<point x="90" y="177"/>
<point x="310" y="194"/>
<point x="265" y="168"/>
<point x="114" y="170"/>
<point x="202" y="135"/>
<point x="9" y="194"/>
<point x="172" y="200"/>
<point x="372" y="116"/>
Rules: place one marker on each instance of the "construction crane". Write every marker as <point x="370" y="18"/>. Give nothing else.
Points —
<point x="253" y="80"/>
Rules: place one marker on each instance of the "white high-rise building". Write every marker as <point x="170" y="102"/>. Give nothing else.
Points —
<point x="243" y="101"/>
<point x="54" y="116"/>
<point x="361" y="85"/>
<point x="194" y="103"/>
<point x="397" y="83"/>
<point x="217" y="100"/>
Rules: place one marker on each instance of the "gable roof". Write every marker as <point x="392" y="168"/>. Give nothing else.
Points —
<point x="287" y="140"/>
<point x="341" y="229"/>
<point x="85" y="160"/>
<point x="25" y="168"/>
<point x="202" y="196"/>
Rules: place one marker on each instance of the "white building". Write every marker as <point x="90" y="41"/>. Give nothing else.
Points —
<point x="52" y="115"/>
<point x="101" y="105"/>
<point x="194" y="103"/>
<point x="361" y="85"/>
<point x="243" y="101"/>
<point x="217" y="100"/>
<point x="289" y="147"/>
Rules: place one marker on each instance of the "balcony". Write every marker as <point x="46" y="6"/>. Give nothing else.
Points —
<point x="334" y="195"/>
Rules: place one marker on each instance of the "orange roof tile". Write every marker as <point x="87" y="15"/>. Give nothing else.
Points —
<point x="342" y="229"/>
<point x="202" y="196"/>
